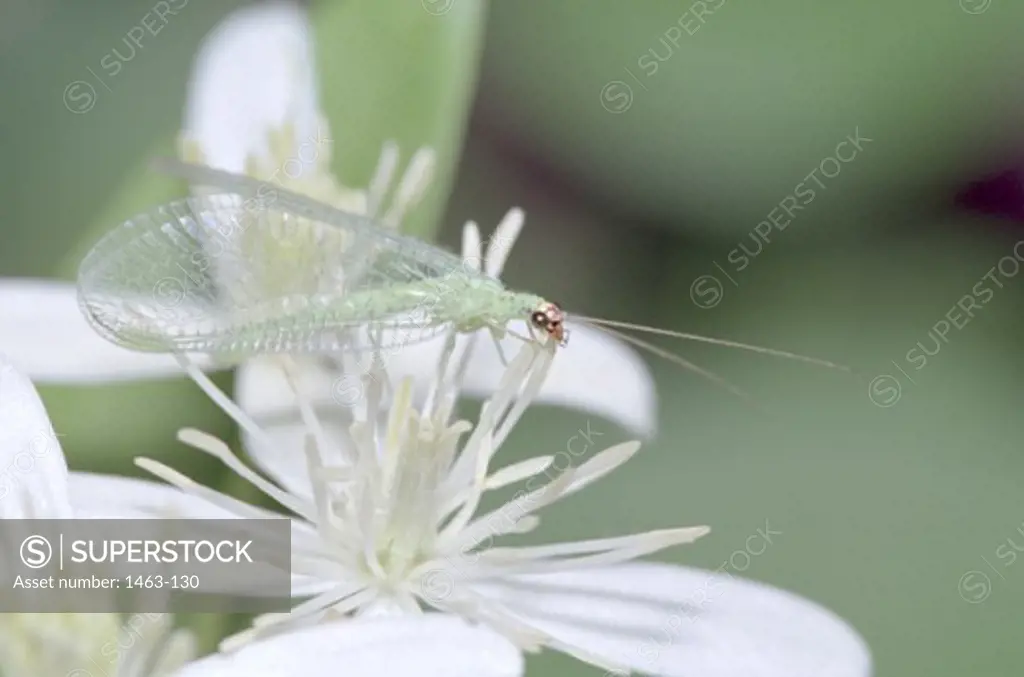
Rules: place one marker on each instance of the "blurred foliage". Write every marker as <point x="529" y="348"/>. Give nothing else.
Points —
<point x="882" y="510"/>
<point x="731" y="104"/>
<point x="401" y="73"/>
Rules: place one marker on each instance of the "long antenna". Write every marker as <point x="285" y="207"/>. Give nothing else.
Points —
<point x="707" y="339"/>
<point x="672" y="357"/>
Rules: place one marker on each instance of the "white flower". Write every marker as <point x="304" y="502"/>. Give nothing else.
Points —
<point x="253" y="108"/>
<point x="431" y="646"/>
<point x="656" y="618"/>
<point x="35" y="484"/>
<point x="44" y="332"/>
<point x="34" y="479"/>
<point x="390" y="523"/>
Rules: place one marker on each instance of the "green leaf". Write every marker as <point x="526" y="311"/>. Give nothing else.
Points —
<point x="65" y="157"/>
<point x="705" y="115"/>
<point x="139" y="190"/>
<point x="394" y="70"/>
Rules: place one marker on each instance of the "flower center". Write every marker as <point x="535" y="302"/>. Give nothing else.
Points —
<point x="385" y="512"/>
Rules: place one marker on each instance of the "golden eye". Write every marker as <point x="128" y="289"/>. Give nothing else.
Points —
<point x="539" y="319"/>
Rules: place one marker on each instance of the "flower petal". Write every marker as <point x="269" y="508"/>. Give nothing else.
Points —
<point x="43" y="331"/>
<point x="431" y="645"/>
<point x="253" y="74"/>
<point x="677" y="621"/>
<point x="101" y="496"/>
<point x="33" y="472"/>
<point x="263" y="392"/>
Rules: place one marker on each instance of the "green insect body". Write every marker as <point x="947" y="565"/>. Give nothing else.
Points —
<point x="408" y="313"/>
<point x="214" y="274"/>
<point x="474" y="303"/>
<point x="259" y="269"/>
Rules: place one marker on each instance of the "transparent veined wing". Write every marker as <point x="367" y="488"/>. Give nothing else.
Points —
<point x="222" y="275"/>
<point x="261" y="195"/>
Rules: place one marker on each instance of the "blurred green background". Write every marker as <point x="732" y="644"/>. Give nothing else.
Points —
<point x="646" y="141"/>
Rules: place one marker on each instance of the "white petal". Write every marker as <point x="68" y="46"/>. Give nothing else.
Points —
<point x="113" y="497"/>
<point x="252" y="74"/>
<point x="43" y="331"/>
<point x="413" y="646"/>
<point x="262" y="391"/>
<point x="33" y="472"/>
<point x="676" y="621"/>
